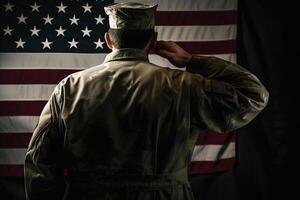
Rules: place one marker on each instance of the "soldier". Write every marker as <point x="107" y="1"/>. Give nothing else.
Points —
<point x="126" y="129"/>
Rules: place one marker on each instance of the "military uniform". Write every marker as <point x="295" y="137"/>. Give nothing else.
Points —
<point x="126" y="129"/>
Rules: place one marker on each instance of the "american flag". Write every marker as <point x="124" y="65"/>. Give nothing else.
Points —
<point x="44" y="41"/>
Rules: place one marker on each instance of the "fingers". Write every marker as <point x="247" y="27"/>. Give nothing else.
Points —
<point x="167" y="45"/>
<point x="173" y="52"/>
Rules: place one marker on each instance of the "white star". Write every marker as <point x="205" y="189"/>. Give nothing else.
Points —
<point x="35" y="7"/>
<point x="20" y="43"/>
<point x="86" y="32"/>
<point x="48" y="19"/>
<point x="74" y="20"/>
<point x="8" y="7"/>
<point x="87" y="8"/>
<point x="61" y="8"/>
<point x="60" y="31"/>
<point x="73" y="43"/>
<point x="22" y="19"/>
<point x="7" y="31"/>
<point x="99" y="43"/>
<point x="99" y="19"/>
<point x="46" y="44"/>
<point x="35" y="31"/>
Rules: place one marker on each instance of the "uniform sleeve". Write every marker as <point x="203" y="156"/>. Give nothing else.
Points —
<point x="44" y="176"/>
<point x="224" y="96"/>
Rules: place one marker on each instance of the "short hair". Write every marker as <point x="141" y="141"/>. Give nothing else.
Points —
<point x="128" y="38"/>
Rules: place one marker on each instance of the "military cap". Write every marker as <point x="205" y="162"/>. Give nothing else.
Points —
<point x="131" y="15"/>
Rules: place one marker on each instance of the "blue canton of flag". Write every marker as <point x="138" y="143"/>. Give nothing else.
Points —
<point x="53" y="26"/>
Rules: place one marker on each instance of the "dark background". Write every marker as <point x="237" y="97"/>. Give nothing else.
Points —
<point x="266" y="46"/>
<point x="266" y="37"/>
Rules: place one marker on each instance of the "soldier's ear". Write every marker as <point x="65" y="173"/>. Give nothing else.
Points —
<point x="108" y="40"/>
<point x="154" y="40"/>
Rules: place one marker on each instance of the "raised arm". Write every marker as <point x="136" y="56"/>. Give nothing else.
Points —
<point x="224" y="95"/>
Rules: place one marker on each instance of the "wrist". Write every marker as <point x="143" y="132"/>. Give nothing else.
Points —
<point x="196" y="62"/>
<point x="182" y="60"/>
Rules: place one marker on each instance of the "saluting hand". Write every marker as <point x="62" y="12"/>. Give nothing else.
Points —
<point x="173" y="52"/>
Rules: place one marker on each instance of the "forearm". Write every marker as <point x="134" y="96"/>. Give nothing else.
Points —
<point x="218" y="69"/>
<point x="240" y="78"/>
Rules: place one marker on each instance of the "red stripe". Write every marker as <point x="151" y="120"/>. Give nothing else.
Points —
<point x="210" y="137"/>
<point x="185" y="18"/>
<point x="204" y="167"/>
<point x="33" y="76"/>
<point x="199" y="167"/>
<point x="21" y="108"/>
<point x="14" y="140"/>
<point x="11" y="170"/>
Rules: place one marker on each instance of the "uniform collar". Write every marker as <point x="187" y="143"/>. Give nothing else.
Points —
<point x="125" y="54"/>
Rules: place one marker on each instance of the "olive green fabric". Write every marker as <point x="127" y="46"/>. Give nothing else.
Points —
<point x="126" y="129"/>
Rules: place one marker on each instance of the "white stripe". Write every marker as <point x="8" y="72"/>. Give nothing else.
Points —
<point x="49" y="60"/>
<point x="213" y="152"/>
<point x="68" y="60"/>
<point x="201" y="153"/>
<point x="190" y="4"/>
<point x="196" y="33"/>
<point x="12" y="156"/>
<point x="18" y="124"/>
<point x="25" y="92"/>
